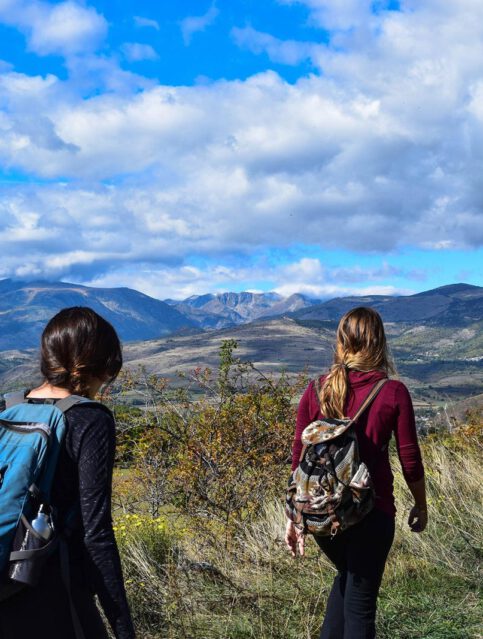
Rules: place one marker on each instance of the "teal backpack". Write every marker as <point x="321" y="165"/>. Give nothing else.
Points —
<point x="31" y="435"/>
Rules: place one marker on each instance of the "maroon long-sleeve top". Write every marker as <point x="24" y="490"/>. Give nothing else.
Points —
<point x="391" y="412"/>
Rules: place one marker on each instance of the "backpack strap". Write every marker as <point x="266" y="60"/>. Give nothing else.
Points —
<point x="369" y="399"/>
<point x="66" y="403"/>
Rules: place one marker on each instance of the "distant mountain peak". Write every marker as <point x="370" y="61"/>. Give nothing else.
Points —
<point x="220" y="310"/>
<point x="454" y="289"/>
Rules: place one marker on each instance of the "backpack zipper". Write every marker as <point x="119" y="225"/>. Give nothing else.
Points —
<point x="27" y="427"/>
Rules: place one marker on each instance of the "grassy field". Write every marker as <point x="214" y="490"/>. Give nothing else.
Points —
<point x="186" y="580"/>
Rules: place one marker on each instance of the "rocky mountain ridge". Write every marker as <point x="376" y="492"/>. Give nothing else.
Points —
<point x="25" y="307"/>
<point x="222" y="310"/>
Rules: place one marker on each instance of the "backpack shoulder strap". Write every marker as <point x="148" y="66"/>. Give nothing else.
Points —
<point x="72" y="400"/>
<point x="369" y="399"/>
<point x="67" y="403"/>
<point x="20" y="397"/>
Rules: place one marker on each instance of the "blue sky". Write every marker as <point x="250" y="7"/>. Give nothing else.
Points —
<point x="324" y="146"/>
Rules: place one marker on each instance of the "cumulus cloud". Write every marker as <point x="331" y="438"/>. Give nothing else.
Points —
<point x="294" y="162"/>
<point x="195" y="24"/>
<point x="307" y="276"/>
<point x="64" y="28"/>
<point x="137" y="52"/>
<point x="310" y="276"/>
<point x="340" y="14"/>
<point x="379" y="151"/>
<point x="283" y="51"/>
<point x="74" y="234"/>
<point x="139" y="21"/>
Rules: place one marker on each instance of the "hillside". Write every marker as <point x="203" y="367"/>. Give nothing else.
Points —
<point x="272" y="345"/>
<point x="439" y="365"/>
<point x="25" y="308"/>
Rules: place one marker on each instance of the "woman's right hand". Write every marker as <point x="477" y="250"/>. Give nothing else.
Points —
<point x="294" y="539"/>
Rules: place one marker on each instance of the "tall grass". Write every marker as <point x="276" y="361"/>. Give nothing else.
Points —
<point x="185" y="585"/>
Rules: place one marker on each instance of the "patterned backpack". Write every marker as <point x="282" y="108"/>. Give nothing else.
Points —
<point x="331" y="489"/>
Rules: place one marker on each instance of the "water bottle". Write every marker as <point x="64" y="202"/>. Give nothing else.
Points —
<point x="41" y="524"/>
<point x="32" y="537"/>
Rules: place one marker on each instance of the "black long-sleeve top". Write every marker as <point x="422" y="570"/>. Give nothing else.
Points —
<point x="84" y="480"/>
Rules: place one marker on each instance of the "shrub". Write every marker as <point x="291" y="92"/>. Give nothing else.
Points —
<point x="217" y="457"/>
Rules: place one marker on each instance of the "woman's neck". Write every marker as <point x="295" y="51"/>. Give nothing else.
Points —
<point x="47" y="391"/>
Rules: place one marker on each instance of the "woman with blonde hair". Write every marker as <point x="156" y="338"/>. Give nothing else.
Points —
<point x="359" y="552"/>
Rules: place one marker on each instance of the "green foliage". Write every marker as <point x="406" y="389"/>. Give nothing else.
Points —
<point x="132" y="425"/>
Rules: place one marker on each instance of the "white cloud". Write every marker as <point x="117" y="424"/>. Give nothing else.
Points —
<point x="310" y="276"/>
<point x="139" y="21"/>
<point x="181" y="282"/>
<point x="102" y="74"/>
<point x="195" y="24"/>
<point x="290" y="52"/>
<point x="64" y="28"/>
<point x="322" y="291"/>
<point x="137" y="52"/>
<point x="338" y="14"/>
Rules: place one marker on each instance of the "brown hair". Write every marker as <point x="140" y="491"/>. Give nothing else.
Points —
<point x="78" y="345"/>
<point x="361" y="345"/>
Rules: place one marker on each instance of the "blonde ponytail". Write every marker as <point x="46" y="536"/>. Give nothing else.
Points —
<point x="361" y="345"/>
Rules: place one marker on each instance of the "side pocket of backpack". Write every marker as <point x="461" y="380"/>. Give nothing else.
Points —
<point x="29" y="553"/>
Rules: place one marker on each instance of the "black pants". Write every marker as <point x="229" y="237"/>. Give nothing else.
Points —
<point x="43" y="612"/>
<point x="359" y="554"/>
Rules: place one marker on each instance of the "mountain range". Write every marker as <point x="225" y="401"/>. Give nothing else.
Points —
<point x="451" y="305"/>
<point x="436" y="336"/>
<point x="25" y="308"/>
<point x="231" y="309"/>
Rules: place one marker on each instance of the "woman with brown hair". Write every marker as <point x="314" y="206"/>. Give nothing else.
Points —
<point x="359" y="553"/>
<point x="80" y="351"/>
